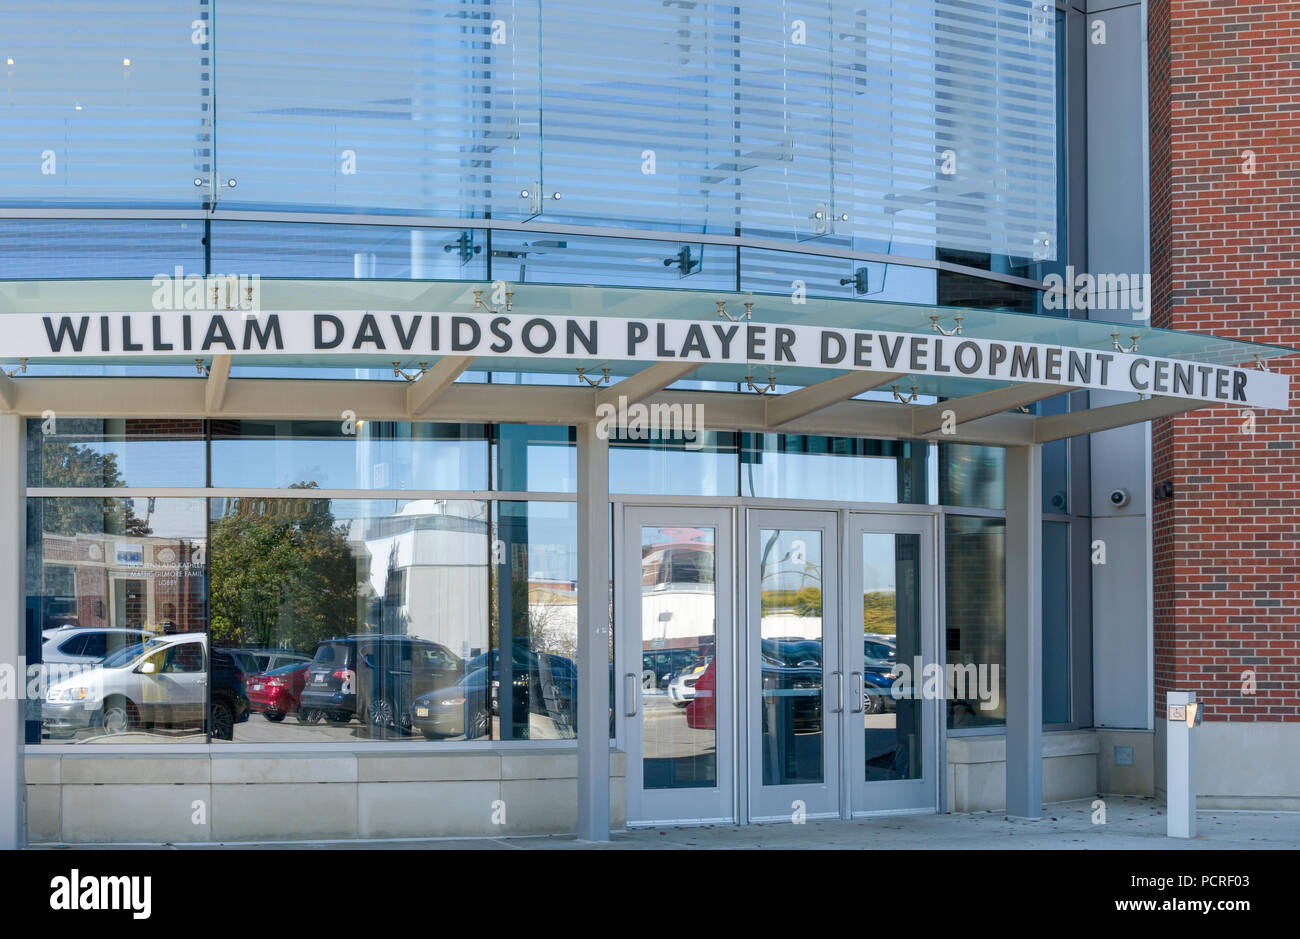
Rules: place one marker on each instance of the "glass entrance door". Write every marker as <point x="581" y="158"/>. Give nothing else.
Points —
<point x="677" y="664"/>
<point x="892" y="664"/>
<point x="795" y="686"/>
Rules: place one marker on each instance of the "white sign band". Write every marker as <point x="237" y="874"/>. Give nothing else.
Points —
<point x="406" y="335"/>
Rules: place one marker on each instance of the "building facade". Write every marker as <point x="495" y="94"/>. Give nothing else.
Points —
<point x="1223" y="261"/>
<point x="510" y="417"/>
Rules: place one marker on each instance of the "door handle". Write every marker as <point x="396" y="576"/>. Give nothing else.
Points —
<point x="632" y="692"/>
<point x="856" y="691"/>
<point x="839" y="693"/>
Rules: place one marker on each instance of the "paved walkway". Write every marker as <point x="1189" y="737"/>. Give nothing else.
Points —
<point x="1131" y="823"/>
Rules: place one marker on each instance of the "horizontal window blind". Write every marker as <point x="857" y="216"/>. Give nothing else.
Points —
<point x="103" y="104"/>
<point x="852" y="124"/>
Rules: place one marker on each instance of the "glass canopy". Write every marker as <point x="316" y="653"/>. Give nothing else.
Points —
<point x="452" y="297"/>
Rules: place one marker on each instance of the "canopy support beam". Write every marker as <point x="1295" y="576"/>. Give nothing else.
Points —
<point x="214" y="391"/>
<point x="796" y="404"/>
<point x="643" y="384"/>
<point x="325" y="399"/>
<point x="1077" y="423"/>
<point x="931" y="417"/>
<point x="430" y="386"/>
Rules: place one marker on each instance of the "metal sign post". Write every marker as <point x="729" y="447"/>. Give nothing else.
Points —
<point x="1184" y="713"/>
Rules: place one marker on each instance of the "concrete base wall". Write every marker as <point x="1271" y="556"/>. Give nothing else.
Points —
<point x="93" y="798"/>
<point x="1135" y="779"/>
<point x="977" y="769"/>
<point x="1241" y="765"/>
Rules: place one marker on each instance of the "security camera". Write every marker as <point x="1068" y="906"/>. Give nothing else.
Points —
<point x="1120" y="498"/>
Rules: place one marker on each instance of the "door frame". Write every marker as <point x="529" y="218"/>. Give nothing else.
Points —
<point x="711" y="805"/>
<point x="628" y="618"/>
<point x="821" y="800"/>
<point x="119" y="589"/>
<point x="893" y="797"/>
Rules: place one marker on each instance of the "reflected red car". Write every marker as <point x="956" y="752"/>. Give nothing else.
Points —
<point x="700" y="711"/>
<point x="275" y="693"/>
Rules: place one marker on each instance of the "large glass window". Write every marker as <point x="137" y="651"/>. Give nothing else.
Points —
<point x="530" y="458"/>
<point x="796" y="466"/>
<point x="354" y="618"/>
<point x="105" y="105"/>
<point x="868" y="123"/>
<point x="53" y="249"/>
<point x="298" y="250"/>
<point x="972" y="477"/>
<point x="535" y="617"/>
<point x="703" y="467"/>
<point x="524" y="257"/>
<point x="1056" y="623"/>
<point x="784" y="272"/>
<point x="99" y="453"/>
<point x="964" y="290"/>
<point x="349" y="454"/>
<point x="976" y="612"/>
<point x="338" y="619"/>
<point x="117" y="621"/>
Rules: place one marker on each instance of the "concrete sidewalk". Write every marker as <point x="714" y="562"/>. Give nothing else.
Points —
<point x="1131" y="823"/>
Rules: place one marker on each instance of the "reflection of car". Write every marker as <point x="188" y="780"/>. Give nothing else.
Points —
<point x="463" y="709"/>
<point x="879" y="653"/>
<point x="394" y="670"/>
<point x="795" y="666"/>
<point x="659" y="667"/>
<point x="275" y="693"/>
<point x="792" y="674"/>
<point x="789" y="665"/>
<point x="330" y="688"/>
<point x="682" y="688"/>
<point x="700" y="710"/>
<point x="161" y="681"/>
<point x="876" y="690"/>
<point x="374" y="678"/>
<point x="543" y="684"/>
<point x="228" y="696"/>
<point x="260" y="661"/>
<point x="85" y="645"/>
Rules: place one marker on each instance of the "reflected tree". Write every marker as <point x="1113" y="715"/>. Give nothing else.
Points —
<point x="73" y="466"/>
<point x="879" y="611"/>
<point x="280" y="572"/>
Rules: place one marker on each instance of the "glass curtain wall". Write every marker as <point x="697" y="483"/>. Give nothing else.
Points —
<point x="318" y="619"/>
<point x="861" y="126"/>
<point x="399" y="602"/>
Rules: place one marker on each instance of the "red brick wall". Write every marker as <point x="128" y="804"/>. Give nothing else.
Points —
<point x="1225" y="78"/>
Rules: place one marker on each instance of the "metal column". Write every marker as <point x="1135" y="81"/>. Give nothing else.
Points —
<point x="13" y="535"/>
<point x="1180" y="763"/>
<point x="1024" y="631"/>
<point x="593" y="635"/>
